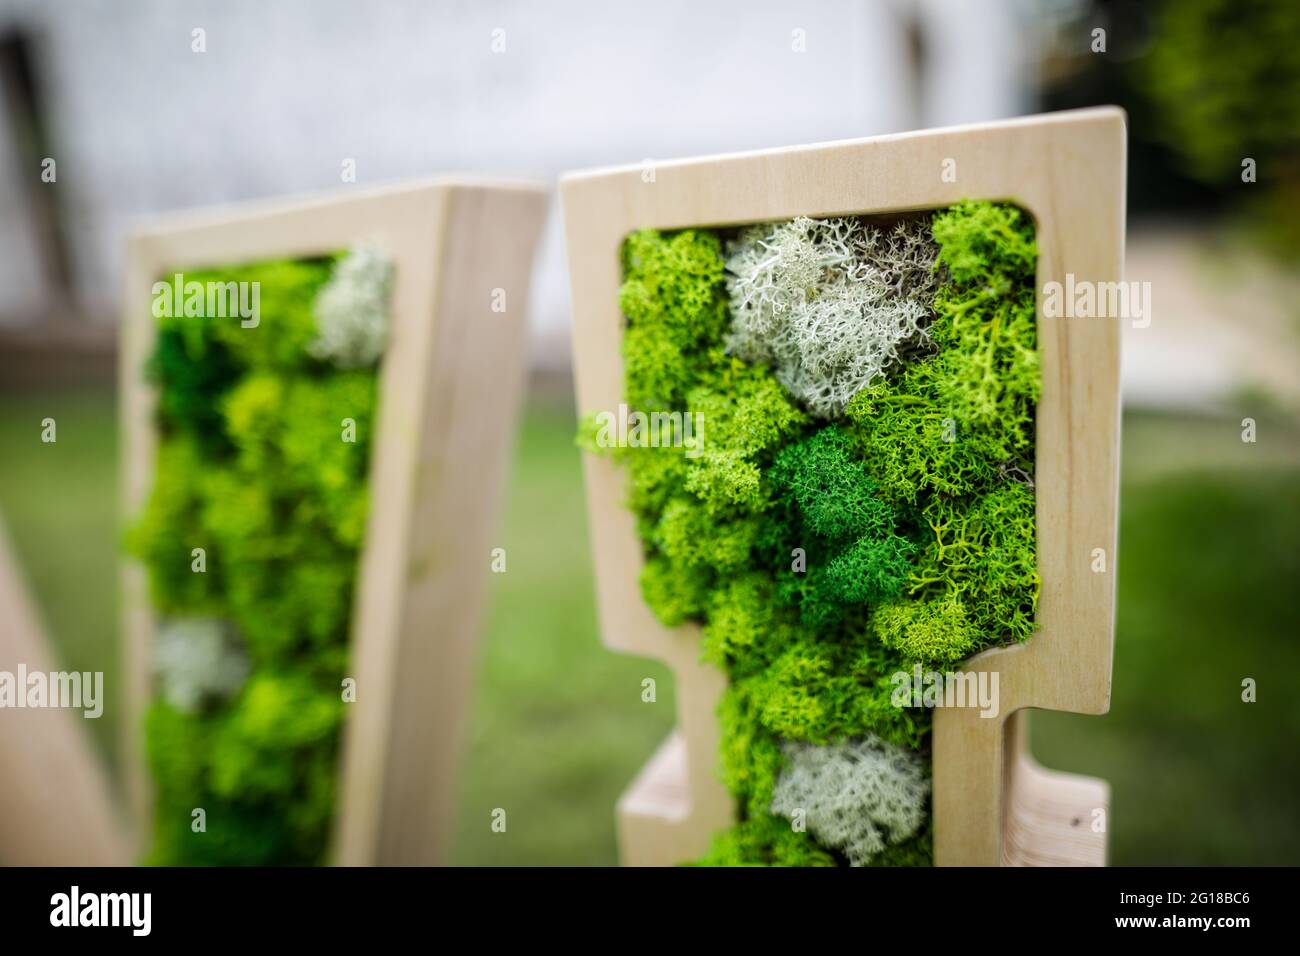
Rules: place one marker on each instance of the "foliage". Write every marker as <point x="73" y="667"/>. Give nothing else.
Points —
<point x="953" y="424"/>
<point x="262" y="464"/>
<point x="765" y="840"/>
<point x="823" y="557"/>
<point x="261" y="769"/>
<point x="976" y="582"/>
<point x="675" y="307"/>
<point x="1224" y="76"/>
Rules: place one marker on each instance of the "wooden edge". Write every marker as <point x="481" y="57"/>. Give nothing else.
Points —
<point x="57" y="807"/>
<point x="179" y="226"/>
<point x="578" y="176"/>
<point x="400" y="779"/>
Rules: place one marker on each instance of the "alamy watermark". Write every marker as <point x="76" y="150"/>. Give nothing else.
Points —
<point x="133" y="911"/>
<point x="1084" y="299"/>
<point x="626" y="429"/>
<point x="951" y="689"/>
<point x="76" y="690"/>
<point x="216" y="300"/>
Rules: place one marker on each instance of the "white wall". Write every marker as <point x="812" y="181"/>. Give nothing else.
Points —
<point x="288" y="89"/>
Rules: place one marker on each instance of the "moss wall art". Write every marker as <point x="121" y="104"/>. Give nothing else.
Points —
<point x="262" y="464"/>
<point x="861" y="503"/>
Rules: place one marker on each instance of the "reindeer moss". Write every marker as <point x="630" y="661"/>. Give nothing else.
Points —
<point x="253" y="468"/>
<point x="824" y="552"/>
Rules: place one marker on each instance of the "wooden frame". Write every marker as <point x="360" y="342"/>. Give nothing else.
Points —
<point x="992" y="804"/>
<point x="449" y="388"/>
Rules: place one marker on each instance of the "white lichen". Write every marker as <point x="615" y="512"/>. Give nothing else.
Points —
<point x="196" y="660"/>
<point x="352" y="309"/>
<point x="857" y="797"/>
<point x="830" y="304"/>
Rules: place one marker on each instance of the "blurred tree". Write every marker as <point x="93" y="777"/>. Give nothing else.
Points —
<point x="1225" y="77"/>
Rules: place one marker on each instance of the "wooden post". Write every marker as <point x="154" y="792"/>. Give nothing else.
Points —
<point x="449" y="390"/>
<point x="991" y="802"/>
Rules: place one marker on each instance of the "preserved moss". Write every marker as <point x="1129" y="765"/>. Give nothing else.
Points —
<point x="262" y="463"/>
<point x="825" y="546"/>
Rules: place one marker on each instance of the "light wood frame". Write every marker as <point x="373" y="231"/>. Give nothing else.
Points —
<point x="992" y="804"/>
<point x="449" y="389"/>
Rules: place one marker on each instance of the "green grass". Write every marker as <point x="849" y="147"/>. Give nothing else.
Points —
<point x="558" y="726"/>
<point x="59" y="501"/>
<point x="1209" y="559"/>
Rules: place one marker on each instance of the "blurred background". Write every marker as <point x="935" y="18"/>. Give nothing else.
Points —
<point x="138" y="124"/>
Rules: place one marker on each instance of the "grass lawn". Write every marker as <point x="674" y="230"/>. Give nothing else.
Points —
<point x="1209" y="556"/>
<point x="1209" y="560"/>
<point x="59" y="501"/>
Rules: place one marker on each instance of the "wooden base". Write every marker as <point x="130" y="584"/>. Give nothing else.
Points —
<point x="655" y="823"/>
<point x="1051" y="817"/>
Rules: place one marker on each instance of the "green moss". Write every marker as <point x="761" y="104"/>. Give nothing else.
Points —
<point x="822" y="691"/>
<point x="262" y="464"/>
<point x="689" y="537"/>
<point x="976" y="582"/>
<point x="675" y="305"/>
<point x="954" y="423"/>
<point x="192" y="374"/>
<point x="834" y="511"/>
<point x="936" y="631"/>
<point x="740" y="617"/>
<point x="823" y="558"/>
<point x="751" y="754"/>
<point x="765" y="841"/>
<point x="172" y="527"/>
<point x="287" y="321"/>
<point x="832" y="490"/>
